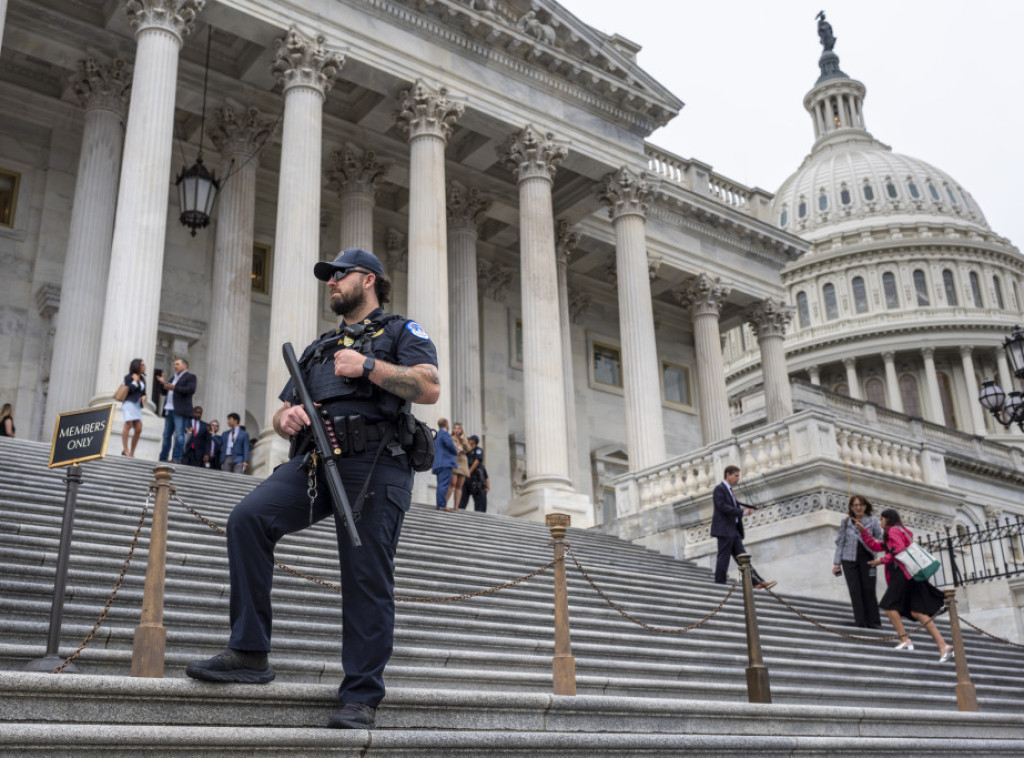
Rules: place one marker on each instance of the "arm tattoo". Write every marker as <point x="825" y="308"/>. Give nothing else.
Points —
<point x="410" y="382"/>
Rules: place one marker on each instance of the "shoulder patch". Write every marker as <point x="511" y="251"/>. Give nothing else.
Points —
<point x="417" y="330"/>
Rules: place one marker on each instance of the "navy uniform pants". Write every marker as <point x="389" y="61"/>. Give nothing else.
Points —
<point x="280" y="506"/>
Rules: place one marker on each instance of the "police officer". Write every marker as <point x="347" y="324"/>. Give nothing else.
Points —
<point x="362" y="375"/>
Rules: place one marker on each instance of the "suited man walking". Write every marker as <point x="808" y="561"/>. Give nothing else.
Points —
<point x="197" y="439"/>
<point x="727" y="526"/>
<point x="234" y="446"/>
<point x="444" y="462"/>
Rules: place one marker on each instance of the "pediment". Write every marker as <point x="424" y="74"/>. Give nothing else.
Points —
<point x="556" y="46"/>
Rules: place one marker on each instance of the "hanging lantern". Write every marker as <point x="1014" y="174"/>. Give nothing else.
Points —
<point x="197" y="187"/>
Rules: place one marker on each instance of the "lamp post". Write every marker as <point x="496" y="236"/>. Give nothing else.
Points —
<point x="1007" y="408"/>
<point x="197" y="186"/>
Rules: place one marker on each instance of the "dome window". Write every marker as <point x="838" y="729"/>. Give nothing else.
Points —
<point x="869" y="192"/>
<point x="831" y="305"/>
<point x="803" y="310"/>
<point x="890" y="190"/>
<point x="920" y="287"/>
<point x="860" y="294"/>
<point x="910" y="396"/>
<point x="999" y="292"/>
<point x="950" y="287"/>
<point x="976" y="290"/>
<point x="784" y="218"/>
<point x="875" y="391"/>
<point x="933" y="192"/>
<point x="844" y="196"/>
<point x="892" y="295"/>
<point x="822" y="202"/>
<point x="952" y="197"/>
<point x="914" y="191"/>
<point x="967" y="203"/>
<point x="801" y="209"/>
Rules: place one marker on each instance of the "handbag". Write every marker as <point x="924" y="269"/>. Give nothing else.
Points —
<point x="918" y="562"/>
<point x="121" y="393"/>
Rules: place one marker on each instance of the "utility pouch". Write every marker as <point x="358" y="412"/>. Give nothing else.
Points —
<point x="356" y="434"/>
<point x="420" y="447"/>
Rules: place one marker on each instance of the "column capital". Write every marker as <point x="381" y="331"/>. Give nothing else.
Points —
<point x="702" y="294"/>
<point x="850" y="362"/>
<point x="427" y="111"/>
<point x="494" y="279"/>
<point x="888" y="356"/>
<point x="928" y="353"/>
<point x="565" y="242"/>
<point x="241" y="134"/>
<point x="966" y="351"/>
<point x="530" y="155"/>
<point x="174" y="16"/>
<point x="769" y="318"/>
<point x="395" y="249"/>
<point x="103" y="85"/>
<point x="466" y="206"/>
<point x="626" y="192"/>
<point x="301" y="61"/>
<point x="352" y="172"/>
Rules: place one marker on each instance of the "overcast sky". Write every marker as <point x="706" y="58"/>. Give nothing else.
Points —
<point x="945" y="83"/>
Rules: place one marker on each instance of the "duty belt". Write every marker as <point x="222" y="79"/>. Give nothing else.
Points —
<point x="351" y="435"/>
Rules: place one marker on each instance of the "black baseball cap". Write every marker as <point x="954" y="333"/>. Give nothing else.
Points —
<point x="474" y="438"/>
<point x="354" y="258"/>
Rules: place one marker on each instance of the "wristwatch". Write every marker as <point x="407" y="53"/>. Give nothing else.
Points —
<point x="368" y="365"/>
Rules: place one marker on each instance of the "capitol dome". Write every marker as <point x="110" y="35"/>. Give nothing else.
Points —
<point x="851" y="180"/>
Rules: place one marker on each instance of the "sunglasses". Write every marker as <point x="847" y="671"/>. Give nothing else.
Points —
<point x="337" y="276"/>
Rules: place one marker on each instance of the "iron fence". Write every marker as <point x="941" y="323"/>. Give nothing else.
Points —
<point x="973" y="554"/>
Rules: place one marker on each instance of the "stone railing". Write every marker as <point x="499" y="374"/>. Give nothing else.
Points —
<point x="698" y="177"/>
<point x="811" y="435"/>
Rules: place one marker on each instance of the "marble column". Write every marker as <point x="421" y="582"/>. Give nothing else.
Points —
<point x="239" y="137"/>
<point x="892" y="382"/>
<point x="534" y="157"/>
<point x="396" y="264"/>
<point x="769" y="319"/>
<point x="971" y="383"/>
<point x="565" y="243"/>
<point x="3" y="18"/>
<point x="852" y="380"/>
<point x="132" y="299"/>
<point x="626" y="193"/>
<point x="934" y="411"/>
<point x="466" y="209"/>
<point x="427" y="117"/>
<point x="103" y="90"/>
<point x="815" y="373"/>
<point x="355" y="178"/>
<point x="704" y="297"/>
<point x="306" y="71"/>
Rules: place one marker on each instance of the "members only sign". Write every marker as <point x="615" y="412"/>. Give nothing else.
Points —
<point x="81" y="436"/>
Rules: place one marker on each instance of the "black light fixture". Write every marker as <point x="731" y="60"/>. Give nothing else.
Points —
<point x="197" y="186"/>
<point x="1007" y="408"/>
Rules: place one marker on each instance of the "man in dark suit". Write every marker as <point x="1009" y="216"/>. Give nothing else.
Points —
<point x="234" y="446"/>
<point x="727" y="526"/>
<point x="197" y="439"/>
<point x="444" y="462"/>
<point x="177" y="409"/>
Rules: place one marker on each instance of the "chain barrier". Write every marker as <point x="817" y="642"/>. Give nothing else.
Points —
<point x="117" y="587"/>
<point x="989" y="634"/>
<point x="876" y="640"/>
<point x="638" y="622"/>
<point x="401" y="599"/>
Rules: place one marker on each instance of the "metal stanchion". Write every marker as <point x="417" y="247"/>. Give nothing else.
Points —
<point x="966" y="696"/>
<point x="563" y="664"/>
<point x="51" y="659"/>
<point x="150" y="635"/>
<point x="758" y="686"/>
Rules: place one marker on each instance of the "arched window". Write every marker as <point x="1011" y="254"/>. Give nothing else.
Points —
<point x="914" y="191"/>
<point x="869" y="192"/>
<point x="946" y="396"/>
<point x="822" y="202"/>
<point x="921" y="287"/>
<point x="784" y="218"/>
<point x="909" y="395"/>
<point x="976" y="290"/>
<point x="875" y="391"/>
<point x="890" y="190"/>
<point x="841" y="389"/>
<point x="892" y="295"/>
<point x="1016" y="295"/>
<point x="933" y="192"/>
<point x="860" y="294"/>
<point x="801" y="209"/>
<point x="844" y="196"/>
<point x="999" y="293"/>
<point x="803" y="310"/>
<point x="950" y="285"/>
<point x="952" y="197"/>
<point x="831" y="305"/>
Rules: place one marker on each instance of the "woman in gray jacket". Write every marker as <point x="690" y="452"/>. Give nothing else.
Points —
<point x="851" y="560"/>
